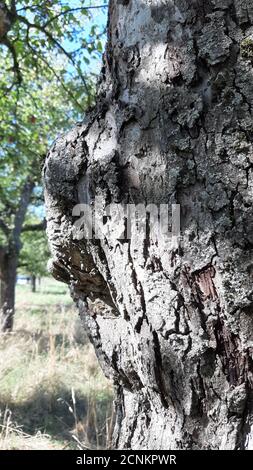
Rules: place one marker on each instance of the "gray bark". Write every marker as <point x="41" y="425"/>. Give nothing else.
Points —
<point x="172" y="124"/>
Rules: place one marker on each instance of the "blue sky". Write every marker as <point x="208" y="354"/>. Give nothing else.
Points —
<point x="98" y="19"/>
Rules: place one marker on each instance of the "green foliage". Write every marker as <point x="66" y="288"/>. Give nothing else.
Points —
<point x="34" y="253"/>
<point x="30" y="119"/>
<point x="45" y="86"/>
<point x="41" y="33"/>
<point x="53" y="90"/>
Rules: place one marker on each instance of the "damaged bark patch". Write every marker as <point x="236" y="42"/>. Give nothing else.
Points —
<point x="201" y="282"/>
<point x="237" y="364"/>
<point x="204" y="279"/>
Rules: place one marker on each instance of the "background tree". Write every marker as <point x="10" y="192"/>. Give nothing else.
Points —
<point x="172" y="124"/>
<point x="41" y="45"/>
<point x="34" y="253"/>
<point x="28" y="118"/>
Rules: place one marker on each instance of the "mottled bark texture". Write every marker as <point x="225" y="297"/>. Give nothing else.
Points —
<point x="173" y="124"/>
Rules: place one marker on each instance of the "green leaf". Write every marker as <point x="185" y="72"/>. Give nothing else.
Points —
<point x="99" y="46"/>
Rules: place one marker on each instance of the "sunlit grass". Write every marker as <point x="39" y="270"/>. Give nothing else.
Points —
<point x="44" y="366"/>
<point x="49" y="292"/>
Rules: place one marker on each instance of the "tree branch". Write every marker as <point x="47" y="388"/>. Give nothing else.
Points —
<point x="57" y="76"/>
<point x="5" y="229"/>
<point x="13" y="9"/>
<point x="23" y="265"/>
<point x="16" y="67"/>
<point x="35" y="227"/>
<point x="55" y="42"/>
<point x="21" y="212"/>
<point x="71" y="10"/>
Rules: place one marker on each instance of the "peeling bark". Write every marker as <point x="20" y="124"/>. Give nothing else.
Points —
<point x="172" y="124"/>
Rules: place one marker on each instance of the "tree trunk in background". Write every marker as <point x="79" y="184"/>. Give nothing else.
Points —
<point x="9" y="255"/>
<point x="172" y="124"/>
<point x="8" y="283"/>
<point x="33" y="283"/>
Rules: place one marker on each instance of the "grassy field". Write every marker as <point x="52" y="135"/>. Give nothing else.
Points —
<point x="52" y="392"/>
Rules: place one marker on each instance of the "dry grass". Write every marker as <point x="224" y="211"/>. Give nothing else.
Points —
<point x="53" y="394"/>
<point x="13" y="437"/>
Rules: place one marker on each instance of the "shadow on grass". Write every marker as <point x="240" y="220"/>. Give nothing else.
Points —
<point x="51" y="410"/>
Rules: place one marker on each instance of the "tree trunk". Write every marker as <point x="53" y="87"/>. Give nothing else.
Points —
<point x="33" y="283"/>
<point x="9" y="258"/>
<point x="6" y="20"/>
<point x="7" y="295"/>
<point x="172" y="125"/>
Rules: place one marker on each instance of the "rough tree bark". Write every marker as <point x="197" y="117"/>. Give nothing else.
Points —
<point x="172" y="124"/>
